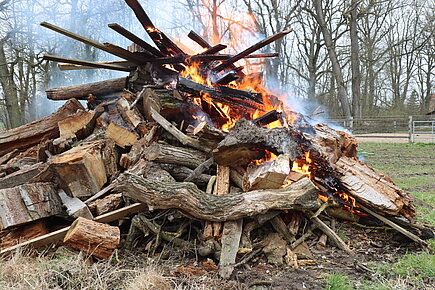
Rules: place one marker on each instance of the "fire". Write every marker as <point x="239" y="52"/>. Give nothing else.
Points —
<point x="303" y="165"/>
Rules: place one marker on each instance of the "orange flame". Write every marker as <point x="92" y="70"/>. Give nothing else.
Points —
<point x="303" y="165"/>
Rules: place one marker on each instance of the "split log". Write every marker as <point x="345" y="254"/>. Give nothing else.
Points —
<point x="186" y="197"/>
<point x="28" y="202"/>
<point x="22" y="176"/>
<point x="231" y="235"/>
<point x="169" y="154"/>
<point x="270" y="175"/>
<point x="373" y="189"/>
<point x="81" y="92"/>
<point x="222" y="186"/>
<point x="206" y="134"/>
<point x="79" y="125"/>
<point x="129" y="159"/>
<point x="33" y="133"/>
<point x="13" y="236"/>
<point x="96" y="239"/>
<point x="121" y="136"/>
<point x="247" y="142"/>
<point x="83" y="170"/>
<point x="130" y="114"/>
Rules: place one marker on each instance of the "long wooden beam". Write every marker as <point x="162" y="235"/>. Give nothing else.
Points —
<point x="71" y="66"/>
<point x="90" y="64"/>
<point x="198" y="39"/>
<point x="142" y="43"/>
<point x="251" y="49"/>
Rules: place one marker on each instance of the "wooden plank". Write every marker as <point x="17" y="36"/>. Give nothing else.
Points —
<point x="142" y="43"/>
<point x="251" y="49"/>
<point x="58" y="235"/>
<point x="87" y="63"/>
<point x="70" y="66"/>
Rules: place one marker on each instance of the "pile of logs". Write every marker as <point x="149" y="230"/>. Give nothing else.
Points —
<point x="139" y="158"/>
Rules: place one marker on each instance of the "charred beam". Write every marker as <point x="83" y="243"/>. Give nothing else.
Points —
<point x="268" y="118"/>
<point x="198" y="39"/>
<point x="127" y="34"/>
<point x="251" y="49"/>
<point x="91" y="64"/>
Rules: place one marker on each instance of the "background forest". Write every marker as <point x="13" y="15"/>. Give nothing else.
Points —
<point x="356" y="58"/>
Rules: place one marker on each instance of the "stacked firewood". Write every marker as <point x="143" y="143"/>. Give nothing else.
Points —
<point x="154" y="146"/>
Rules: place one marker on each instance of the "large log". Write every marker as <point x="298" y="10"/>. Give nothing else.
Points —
<point x="186" y="197"/>
<point x="83" y="170"/>
<point x="169" y="154"/>
<point x="13" y="236"/>
<point x="373" y="189"/>
<point x="81" y="92"/>
<point x="28" y="202"/>
<point x="33" y="133"/>
<point x="96" y="239"/>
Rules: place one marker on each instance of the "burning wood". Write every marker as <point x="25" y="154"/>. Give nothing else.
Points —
<point x="174" y="124"/>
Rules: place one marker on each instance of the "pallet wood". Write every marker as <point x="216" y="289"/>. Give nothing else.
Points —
<point x="186" y="197"/>
<point x="83" y="170"/>
<point x="33" y="133"/>
<point x="81" y="92"/>
<point x="28" y="202"/>
<point x="96" y="239"/>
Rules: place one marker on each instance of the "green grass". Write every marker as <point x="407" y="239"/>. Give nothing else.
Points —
<point x="412" y="167"/>
<point x="338" y="282"/>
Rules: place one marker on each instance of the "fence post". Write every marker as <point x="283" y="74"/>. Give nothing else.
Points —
<point x="410" y="130"/>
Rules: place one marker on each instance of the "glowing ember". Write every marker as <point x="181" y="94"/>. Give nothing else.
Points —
<point x="303" y="165"/>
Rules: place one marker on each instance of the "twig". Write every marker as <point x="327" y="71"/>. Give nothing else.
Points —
<point x="321" y="209"/>
<point x="247" y="258"/>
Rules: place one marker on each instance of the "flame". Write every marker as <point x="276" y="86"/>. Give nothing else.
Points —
<point x="303" y="165"/>
<point x="270" y="156"/>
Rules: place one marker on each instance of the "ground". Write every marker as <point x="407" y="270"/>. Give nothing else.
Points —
<point x="382" y="260"/>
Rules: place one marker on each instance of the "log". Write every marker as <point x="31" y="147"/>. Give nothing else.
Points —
<point x="33" y="133"/>
<point x="79" y="125"/>
<point x="96" y="239"/>
<point x="169" y="154"/>
<point x="198" y="39"/>
<point x="81" y="92"/>
<point x="13" y="236"/>
<point x="373" y="189"/>
<point x="222" y="186"/>
<point x="129" y="159"/>
<point x="28" y="202"/>
<point x="186" y="197"/>
<point x="247" y="142"/>
<point x="83" y="170"/>
<point x="269" y="175"/>
<point x="121" y="136"/>
<point x="251" y="49"/>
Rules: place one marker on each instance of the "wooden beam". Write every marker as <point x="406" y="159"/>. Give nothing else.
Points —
<point x="251" y="49"/>
<point x="125" y="54"/>
<point x="198" y="39"/>
<point x="70" y="66"/>
<point x="91" y="64"/>
<point x="142" y="43"/>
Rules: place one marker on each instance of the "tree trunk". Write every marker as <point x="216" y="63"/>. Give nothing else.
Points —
<point x="336" y="69"/>
<point x="354" y="59"/>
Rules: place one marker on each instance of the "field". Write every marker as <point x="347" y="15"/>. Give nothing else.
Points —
<point x="379" y="262"/>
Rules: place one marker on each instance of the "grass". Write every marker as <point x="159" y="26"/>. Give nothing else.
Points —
<point x="412" y="167"/>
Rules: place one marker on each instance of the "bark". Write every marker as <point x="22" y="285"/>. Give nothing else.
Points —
<point x="28" y="202"/>
<point x="186" y="197"/>
<point x="81" y="92"/>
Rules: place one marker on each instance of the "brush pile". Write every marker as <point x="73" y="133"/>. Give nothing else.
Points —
<point x="187" y="150"/>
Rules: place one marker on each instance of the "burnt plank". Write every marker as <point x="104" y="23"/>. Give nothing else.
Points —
<point x="130" y="36"/>
<point x="255" y="97"/>
<point x="198" y="39"/>
<point x="251" y="49"/>
<point x="268" y="118"/>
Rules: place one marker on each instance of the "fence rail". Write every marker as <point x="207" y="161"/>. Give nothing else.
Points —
<point x="415" y="128"/>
